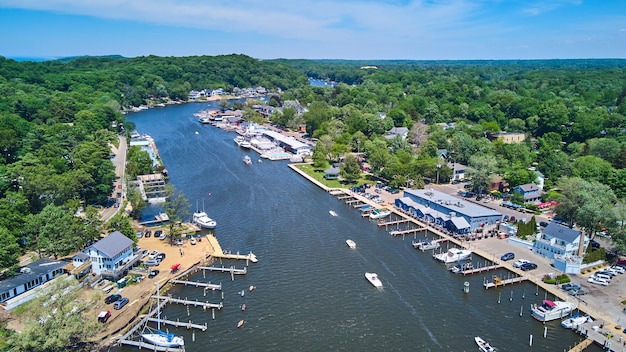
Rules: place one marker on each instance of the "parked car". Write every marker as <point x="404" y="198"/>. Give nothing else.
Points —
<point x="543" y="224"/>
<point x="112" y="298"/>
<point x="528" y="266"/>
<point x="578" y="292"/>
<point x="518" y="263"/>
<point x="570" y="286"/>
<point x="153" y="273"/>
<point x="618" y="268"/>
<point x="160" y="256"/>
<point x="594" y="244"/>
<point x="139" y="234"/>
<point x="121" y="303"/>
<point x="179" y="241"/>
<point x="162" y="236"/>
<point x="104" y="316"/>
<point x="148" y="233"/>
<point x="152" y="262"/>
<point x="508" y="256"/>
<point x="192" y="241"/>
<point x="158" y="233"/>
<point x="144" y="253"/>
<point x="153" y="254"/>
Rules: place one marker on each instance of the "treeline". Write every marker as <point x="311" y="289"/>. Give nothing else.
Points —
<point x="58" y="120"/>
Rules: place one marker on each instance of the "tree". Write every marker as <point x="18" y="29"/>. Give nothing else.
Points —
<point x="120" y="222"/>
<point x="480" y="171"/>
<point x="319" y="156"/>
<point x="176" y="207"/>
<point x="9" y="251"/>
<point x="350" y="170"/>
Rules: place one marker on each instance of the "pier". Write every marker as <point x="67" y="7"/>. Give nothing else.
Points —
<point x="219" y="253"/>
<point x="602" y="333"/>
<point x="149" y="346"/>
<point x="497" y="281"/>
<point x="199" y="284"/>
<point x="406" y="232"/>
<point x="395" y="222"/>
<point x="223" y="269"/>
<point x="481" y="269"/>
<point x="188" y="325"/>
<point x="186" y="302"/>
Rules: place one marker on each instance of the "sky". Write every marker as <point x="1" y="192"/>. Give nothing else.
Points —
<point x="316" y="29"/>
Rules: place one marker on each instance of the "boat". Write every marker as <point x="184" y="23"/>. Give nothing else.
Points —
<point x="158" y="337"/>
<point x="163" y="217"/>
<point x="373" y="279"/>
<point x="242" y="142"/>
<point x="252" y="288"/>
<point x="551" y="310"/>
<point x="484" y="345"/>
<point x="203" y="220"/>
<point x="247" y="160"/>
<point x="332" y="213"/>
<point x="575" y="321"/>
<point x="243" y="307"/>
<point x="379" y="213"/>
<point x="243" y="293"/>
<point x="240" y="323"/>
<point x="351" y="244"/>
<point x="453" y="255"/>
<point x="204" y="120"/>
<point x="462" y="267"/>
<point x="425" y="245"/>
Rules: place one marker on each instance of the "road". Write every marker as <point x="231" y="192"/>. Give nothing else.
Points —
<point x="119" y="161"/>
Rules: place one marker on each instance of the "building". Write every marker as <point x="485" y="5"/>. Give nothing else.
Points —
<point x="290" y="144"/>
<point x="454" y="214"/>
<point x="508" y="137"/>
<point x="332" y="173"/>
<point x="530" y="192"/>
<point x="560" y="243"/>
<point x="403" y="132"/>
<point x="112" y="256"/>
<point x="29" y="277"/>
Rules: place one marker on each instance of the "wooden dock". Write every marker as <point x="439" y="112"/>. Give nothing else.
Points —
<point x="223" y="269"/>
<point x="481" y="269"/>
<point x="499" y="282"/>
<point x="582" y="346"/>
<point x="604" y="334"/>
<point x="186" y="302"/>
<point x="395" y="222"/>
<point x="345" y="196"/>
<point x="199" y="284"/>
<point x="219" y="253"/>
<point x="149" y="346"/>
<point x="358" y="205"/>
<point x="188" y="325"/>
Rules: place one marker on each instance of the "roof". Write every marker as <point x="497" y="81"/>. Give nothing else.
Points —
<point x="332" y="171"/>
<point x="561" y="232"/>
<point x="295" y="144"/>
<point x="529" y="187"/>
<point x="81" y="255"/>
<point x="459" y="206"/>
<point x="460" y="222"/>
<point x="113" y="244"/>
<point x="36" y="270"/>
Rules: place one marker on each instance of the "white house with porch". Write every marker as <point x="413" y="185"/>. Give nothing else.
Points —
<point x="112" y="255"/>
<point x="560" y="243"/>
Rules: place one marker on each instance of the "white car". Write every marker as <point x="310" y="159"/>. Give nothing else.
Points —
<point x="192" y="241"/>
<point x="153" y="254"/>
<point x="617" y="269"/>
<point x="520" y="262"/>
<point x="597" y="281"/>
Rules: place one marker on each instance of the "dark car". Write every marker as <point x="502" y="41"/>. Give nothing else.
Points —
<point x="153" y="273"/>
<point x="160" y="257"/>
<point x="570" y="286"/>
<point x="112" y="298"/>
<point x="543" y="224"/>
<point x="158" y="233"/>
<point x="147" y="233"/>
<point x="528" y="266"/>
<point x="594" y="244"/>
<point x="508" y="256"/>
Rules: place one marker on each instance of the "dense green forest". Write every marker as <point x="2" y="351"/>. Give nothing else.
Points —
<point x="57" y="122"/>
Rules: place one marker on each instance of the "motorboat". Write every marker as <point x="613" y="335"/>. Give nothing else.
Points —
<point x="251" y="288"/>
<point x="331" y="212"/>
<point x="158" y="337"/>
<point x="247" y="160"/>
<point x="240" y="323"/>
<point x="242" y="142"/>
<point x="163" y="217"/>
<point x="204" y="120"/>
<point x="551" y="310"/>
<point x="351" y="244"/>
<point x="575" y="321"/>
<point x="461" y="267"/>
<point x="425" y="245"/>
<point x="379" y="213"/>
<point x="243" y="307"/>
<point x="484" y="345"/>
<point x="203" y="220"/>
<point x="453" y="255"/>
<point x="373" y="279"/>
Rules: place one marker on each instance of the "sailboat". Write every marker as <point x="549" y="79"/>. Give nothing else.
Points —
<point x="202" y="219"/>
<point x="158" y="337"/>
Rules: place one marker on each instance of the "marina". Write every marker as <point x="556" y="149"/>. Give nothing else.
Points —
<point x="421" y="294"/>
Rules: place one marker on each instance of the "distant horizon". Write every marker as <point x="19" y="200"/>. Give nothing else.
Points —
<point x="317" y="30"/>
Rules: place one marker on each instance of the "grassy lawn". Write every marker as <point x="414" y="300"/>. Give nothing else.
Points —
<point x="318" y="174"/>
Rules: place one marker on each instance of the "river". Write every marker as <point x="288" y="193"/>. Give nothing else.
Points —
<point x="311" y="294"/>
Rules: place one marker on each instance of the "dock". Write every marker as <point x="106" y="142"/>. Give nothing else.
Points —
<point x="186" y="302"/>
<point x="219" y="253"/>
<point x="406" y="232"/>
<point x="345" y="196"/>
<point x="149" y="346"/>
<point x="199" y="284"/>
<point x="500" y="282"/>
<point x="188" y="325"/>
<point x="481" y="269"/>
<point x="224" y="269"/>
<point x="600" y="333"/>
<point x="395" y="222"/>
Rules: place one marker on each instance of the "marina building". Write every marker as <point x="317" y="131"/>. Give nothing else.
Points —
<point x="560" y="243"/>
<point x="456" y="215"/>
<point x="13" y="290"/>
<point x="290" y="144"/>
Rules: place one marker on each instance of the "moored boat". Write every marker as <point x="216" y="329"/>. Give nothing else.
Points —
<point x="575" y="321"/>
<point x="484" y="345"/>
<point x="203" y="220"/>
<point x="351" y="244"/>
<point x="242" y="142"/>
<point x="551" y="310"/>
<point x="247" y="160"/>
<point x="158" y="337"/>
<point x="425" y="245"/>
<point x="461" y="267"/>
<point x="379" y="213"/>
<point x="373" y="279"/>
<point x="453" y="255"/>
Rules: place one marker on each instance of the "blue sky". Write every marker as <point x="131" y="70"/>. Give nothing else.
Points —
<point x="316" y="29"/>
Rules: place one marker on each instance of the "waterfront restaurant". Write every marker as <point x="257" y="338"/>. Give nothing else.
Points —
<point x="454" y="214"/>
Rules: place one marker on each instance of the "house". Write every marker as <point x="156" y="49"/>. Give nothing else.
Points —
<point x="397" y="131"/>
<point x="29" y="278"/>
<point x="507" y="137"/>
<point x="499" y="184"/>
<point x="458" y="171"/>
<point x="332" y="173"/>
<point x="530" y="192"/>
<point x="560" y="243"/>
<point x="193" y="95"/>
<point x="112" y="256"/>
<point x="81" y="265"/>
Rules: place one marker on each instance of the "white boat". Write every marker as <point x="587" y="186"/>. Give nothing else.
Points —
<point x="351" y="244"/>
<point x="158" y="337"/>
<point x="424" y="245"/>
<point x="243" y="142"/>
<point x="373" y="279"/>
<point x="575" y="321"/>
<point x="204" y="120"/>
<point x="203" y="220"/>
<point x="484" y="345"/>
<point x="247" y="160"/>
<point x="551" y="310"/>
<point x="162" y="217"/>
<point x="462" y="267"/>
<point x="379" y="213"/>
<point x="453" y="255"/>
<point x="331" y="212"/>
